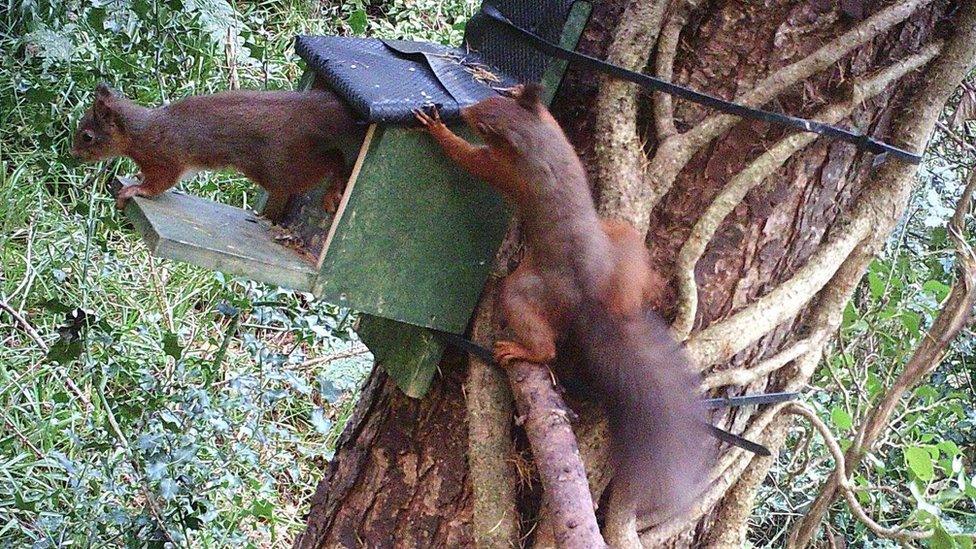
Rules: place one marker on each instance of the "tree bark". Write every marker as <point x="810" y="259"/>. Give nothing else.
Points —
<point x="399" y="477"/>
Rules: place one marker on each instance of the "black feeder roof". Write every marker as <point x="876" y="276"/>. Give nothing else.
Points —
<point x="385" y="80"/>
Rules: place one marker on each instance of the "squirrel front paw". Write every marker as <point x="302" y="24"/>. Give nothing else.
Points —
<point x="430" y="121"/>
<point x="126" y="193"/>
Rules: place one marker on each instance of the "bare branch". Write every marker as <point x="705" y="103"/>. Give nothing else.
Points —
<point x="491" y="452"/>
<point x="28" y="329"/>
<point x="722" y="340"/>
<point x="779" y="81"/>
<point x="159" y="289"/>
<point x="955" y="137"/>
<point x="840" y="473"/>
<point x="761" y="168"/>
<point x="23" y="438"/>
<point x="151" y="502"/>
<point x="621" y="523"/>
<point x="826" y="313"/>
<point x="667" y="48"/>
<point x="655" y="532"/>
<point x="593" y="437"/>
<point x="545" y="418"/>
<point x="489" y="410"/>
<point x="744" y="376"/>
<point x="352" y="351"/>
<point x="619" y="156"/>
<point x="955" y="314"/>
<point x="731" y="517"/>
<point x="674" y="153"/>
<point x="25" y="284"/>
<point x="874" y="214"/>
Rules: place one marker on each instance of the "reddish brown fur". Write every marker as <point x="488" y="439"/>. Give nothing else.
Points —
<point x="586" y="284"/>
<point x="287" y="142"/>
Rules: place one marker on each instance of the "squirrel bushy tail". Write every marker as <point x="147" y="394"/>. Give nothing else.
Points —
<point x="660" y="443"/>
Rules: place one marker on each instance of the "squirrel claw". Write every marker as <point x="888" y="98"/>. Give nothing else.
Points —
<point x="125" y="194"/>
<point x="428" y="120"/>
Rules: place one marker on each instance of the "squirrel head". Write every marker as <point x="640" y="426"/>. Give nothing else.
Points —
<point x="100" y="133"/>
<point x="507" y="123"/>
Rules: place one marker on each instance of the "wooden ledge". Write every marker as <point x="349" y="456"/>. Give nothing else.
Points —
<point x="215" y="236"/>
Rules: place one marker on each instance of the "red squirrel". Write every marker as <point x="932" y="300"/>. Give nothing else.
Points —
<point x="287" y="142"/>
<point x="583" y="293"/>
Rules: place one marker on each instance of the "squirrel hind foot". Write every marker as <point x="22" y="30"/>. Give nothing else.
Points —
<point x="507" y="352"/>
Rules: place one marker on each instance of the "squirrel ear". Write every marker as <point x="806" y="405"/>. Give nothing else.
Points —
<point x="103" y="91"/>
<point x="102" y="110"/>
<point x="529" y="95"/>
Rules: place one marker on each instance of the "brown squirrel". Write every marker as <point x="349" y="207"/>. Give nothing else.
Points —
<point x="583" y="293"/>
<point x="287" y="142"/>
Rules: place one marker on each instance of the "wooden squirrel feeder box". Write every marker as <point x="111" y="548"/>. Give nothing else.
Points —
<point x="414" y="237"/>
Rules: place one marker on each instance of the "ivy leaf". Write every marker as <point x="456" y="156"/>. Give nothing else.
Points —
<point x="96" y="18"/>
<point x="262" y="509"/>
<point x="949" y="448"/>
<point x="141" y="8"/>
<point x="227" y="309"/>
<point x="911" y="321"/>
<point x="937" y="289"/>
<point x="841" y="419"/>
<point x="850" y="315"/>
<point x="322" y="424"/>
<point x="328" y="390"/>
<point x="926" y="393"/>
<point x="171" y="345"/>
<point x="69" y="345"/>
<point x="168" y="488"/>
<point x="64" y="351"/>
<point x="357" y="21"/>
<point x="919" y="460"/>
<point x="23" y="504"/>
<point x="941" y="540"/>
<point x="55" y="306"/>
<point x="876" y="284"/>
<point x="970" y="488"/>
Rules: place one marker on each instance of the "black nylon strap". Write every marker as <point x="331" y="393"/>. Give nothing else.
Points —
<point x="465" y="345"/>
<point x="739" y="441"/>
<point x="746" y="400"/>
<point x="862" y="141"/>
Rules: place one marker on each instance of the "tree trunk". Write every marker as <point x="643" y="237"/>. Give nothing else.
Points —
<point x="399" y="477"/>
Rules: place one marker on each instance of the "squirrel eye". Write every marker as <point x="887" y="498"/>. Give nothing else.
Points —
<point x="88" y="136"/>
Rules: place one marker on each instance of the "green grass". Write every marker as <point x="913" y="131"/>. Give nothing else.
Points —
<point x="222" y="426"/>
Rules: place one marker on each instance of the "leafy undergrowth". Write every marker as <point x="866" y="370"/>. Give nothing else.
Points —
<point x="173" y="404"/>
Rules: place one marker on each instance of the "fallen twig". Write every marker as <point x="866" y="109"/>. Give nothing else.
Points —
<point x="28" y="329"/>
